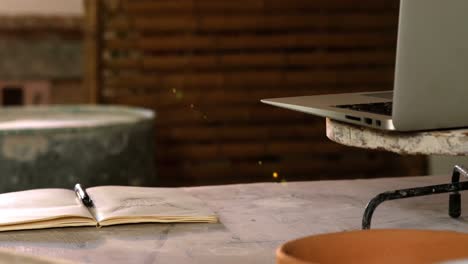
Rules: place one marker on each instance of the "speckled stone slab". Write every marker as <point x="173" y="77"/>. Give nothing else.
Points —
<point x="255" y="219"/>
<point x="58" y="146"/>
<point x="440" y="142"/>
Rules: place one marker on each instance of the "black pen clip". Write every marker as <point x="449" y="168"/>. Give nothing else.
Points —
<point x="83" y="196"/>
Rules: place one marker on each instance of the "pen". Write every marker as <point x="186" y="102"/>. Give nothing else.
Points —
<point x="83" y="196"/>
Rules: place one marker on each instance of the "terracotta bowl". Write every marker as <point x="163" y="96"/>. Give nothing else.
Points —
<point x="376" y="246"/>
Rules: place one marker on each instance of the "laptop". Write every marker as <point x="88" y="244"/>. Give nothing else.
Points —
<point x="431" y="77"/>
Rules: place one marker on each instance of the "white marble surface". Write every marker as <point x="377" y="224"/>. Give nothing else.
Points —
<point x="255" y="220"/>
<point x="440" y="142"/>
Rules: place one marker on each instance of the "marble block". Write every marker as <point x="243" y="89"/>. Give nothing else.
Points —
<point x="441" y="142"/>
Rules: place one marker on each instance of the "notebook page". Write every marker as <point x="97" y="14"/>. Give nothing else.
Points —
<point x="39" y="205"/>
<point x="142" y="202"/>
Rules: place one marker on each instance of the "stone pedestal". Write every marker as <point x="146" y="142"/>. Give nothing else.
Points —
<point x="440" y="142"/>
<point x="58" y="146"/>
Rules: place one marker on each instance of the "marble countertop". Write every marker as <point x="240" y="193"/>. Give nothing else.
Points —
<point x="254" y="220"/>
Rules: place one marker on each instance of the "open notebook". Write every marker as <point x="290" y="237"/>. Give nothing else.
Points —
<point x="111" y="205"/>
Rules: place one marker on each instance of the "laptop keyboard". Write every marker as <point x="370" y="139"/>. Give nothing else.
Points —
<point x="376" y="108"/>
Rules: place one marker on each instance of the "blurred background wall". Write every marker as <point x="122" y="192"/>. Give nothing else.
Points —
<point x="41" y="7"/>
<point x="203" y="66"/>
<point x="41" y="51"/>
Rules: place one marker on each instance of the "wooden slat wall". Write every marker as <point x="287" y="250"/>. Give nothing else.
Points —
<point x="203" y="65"/>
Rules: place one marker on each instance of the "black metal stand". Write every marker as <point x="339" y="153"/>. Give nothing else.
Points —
<point x="454" y="200"/>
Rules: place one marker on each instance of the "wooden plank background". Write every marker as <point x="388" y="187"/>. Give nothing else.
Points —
<point x="203" y="66"/>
